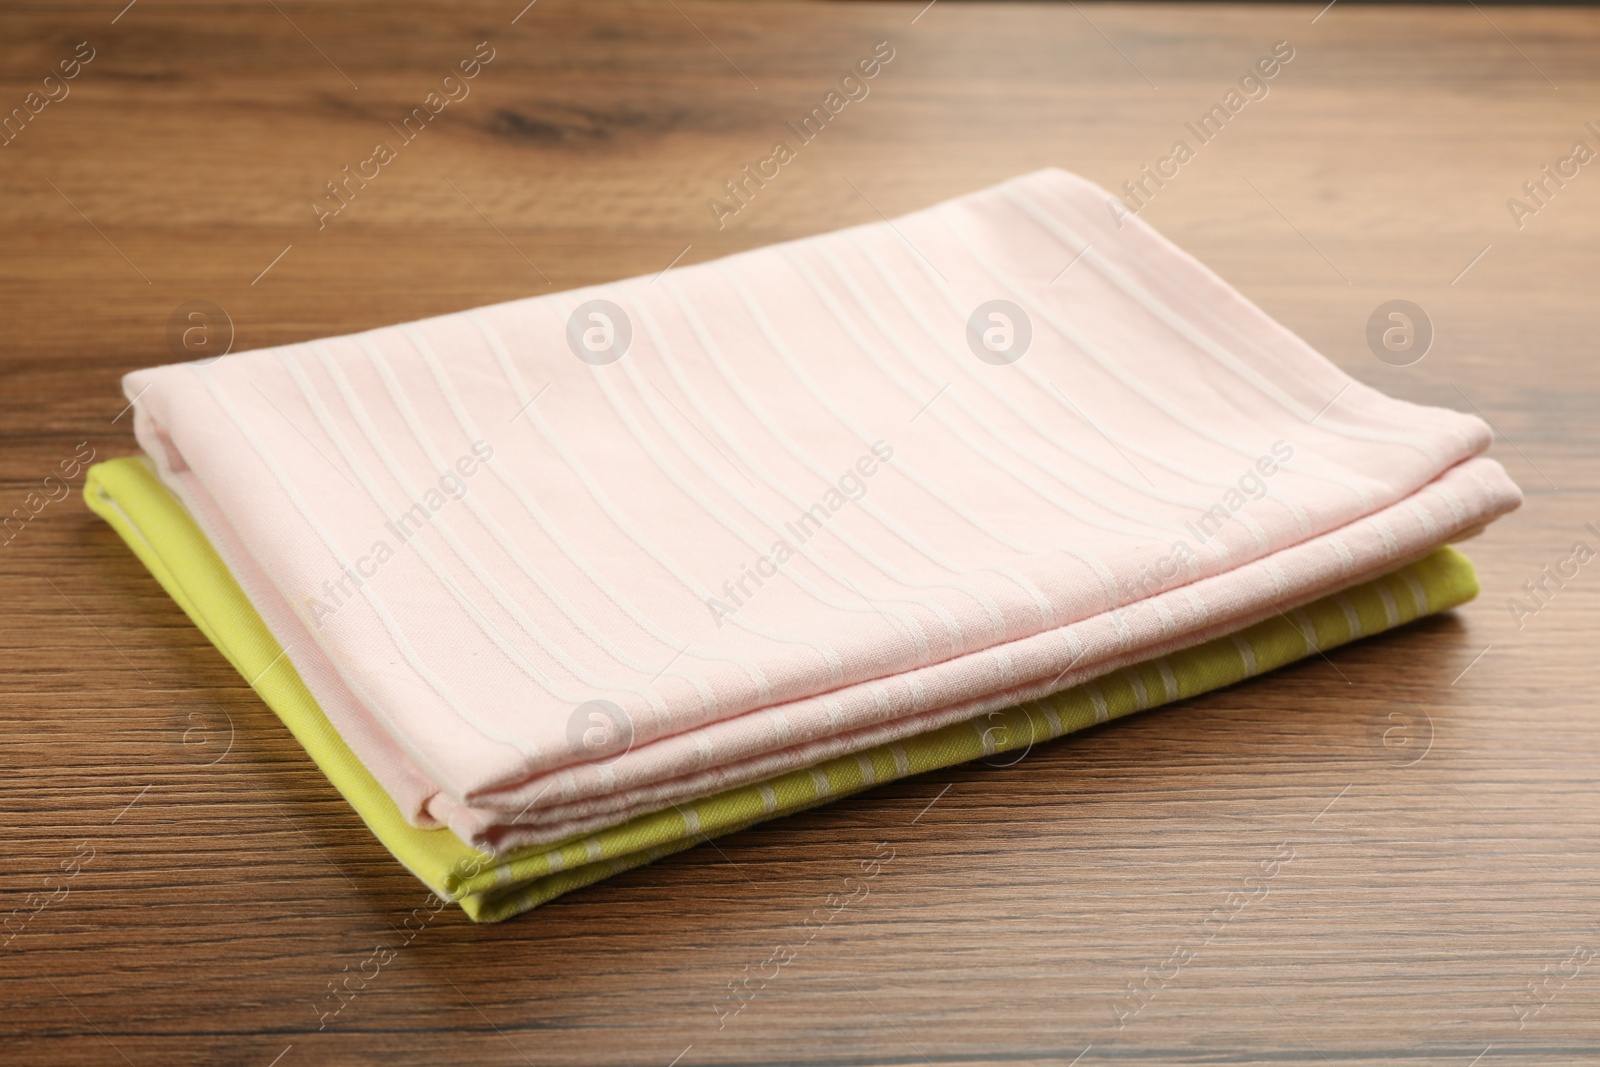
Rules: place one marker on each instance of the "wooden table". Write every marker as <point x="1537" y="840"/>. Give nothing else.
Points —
<point x="1436" y="791"/>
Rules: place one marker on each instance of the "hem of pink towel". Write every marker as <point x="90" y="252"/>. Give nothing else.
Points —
<point x="487" y="827"/>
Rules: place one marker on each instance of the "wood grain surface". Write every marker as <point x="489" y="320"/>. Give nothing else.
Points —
<point x="1426" y="803"/>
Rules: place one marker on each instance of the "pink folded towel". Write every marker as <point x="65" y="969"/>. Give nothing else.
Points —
<point x="553" y="562"/>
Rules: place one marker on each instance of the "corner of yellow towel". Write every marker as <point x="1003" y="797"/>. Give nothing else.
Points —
<point x="131" y="498"/>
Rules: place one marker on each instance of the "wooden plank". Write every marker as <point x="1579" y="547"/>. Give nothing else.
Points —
<point x="1422" y="898"/>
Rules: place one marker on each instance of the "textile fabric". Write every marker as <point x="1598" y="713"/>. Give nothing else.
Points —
<point x="564" y="561"/>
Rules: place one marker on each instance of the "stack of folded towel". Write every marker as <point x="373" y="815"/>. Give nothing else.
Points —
<point x="554" y="587"/>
